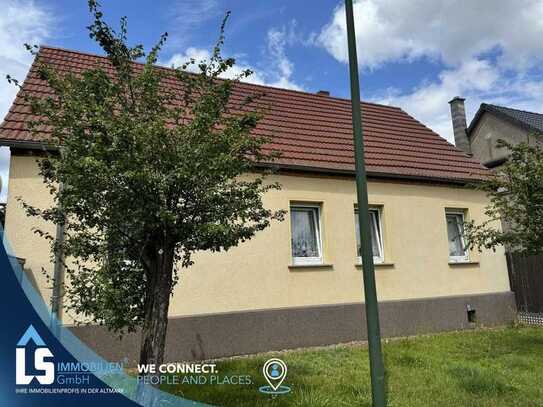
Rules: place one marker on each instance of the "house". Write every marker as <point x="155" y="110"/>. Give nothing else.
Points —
<point x="299" y="282"/>
<point x="490" y="124"/>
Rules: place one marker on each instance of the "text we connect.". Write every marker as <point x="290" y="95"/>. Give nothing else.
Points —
<point x="179" y="368"/>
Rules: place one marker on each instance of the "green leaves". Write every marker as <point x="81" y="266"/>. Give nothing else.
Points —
<point x="149" y="159"/>
<point x="516" y="197"/>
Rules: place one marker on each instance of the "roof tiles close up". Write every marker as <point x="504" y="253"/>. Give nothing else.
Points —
<point x="311" y="131"/>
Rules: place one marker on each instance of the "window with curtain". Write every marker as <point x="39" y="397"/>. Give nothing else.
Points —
<point x="305" y="234"/>
<point x="375" y="234"/>
<point x="458" y="251"/>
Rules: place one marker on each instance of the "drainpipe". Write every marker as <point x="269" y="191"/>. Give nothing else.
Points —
<point x="58" y="273"/>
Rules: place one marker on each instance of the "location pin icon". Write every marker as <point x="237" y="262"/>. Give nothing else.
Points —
<point x="275" y="371"/>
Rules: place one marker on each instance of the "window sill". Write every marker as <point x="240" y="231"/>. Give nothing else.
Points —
<point x="463" y="263"/>
<point x="383" y="264"/>
<point x="310" y="266"/>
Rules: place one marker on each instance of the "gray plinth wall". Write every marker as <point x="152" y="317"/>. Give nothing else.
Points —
<point x="237" y="333"/>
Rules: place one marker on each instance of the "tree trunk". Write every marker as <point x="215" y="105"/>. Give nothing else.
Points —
<point x="157" y="303"/>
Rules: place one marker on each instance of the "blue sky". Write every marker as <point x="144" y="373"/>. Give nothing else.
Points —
<point x="413" y="54"/>
<point x="194" y="24"/>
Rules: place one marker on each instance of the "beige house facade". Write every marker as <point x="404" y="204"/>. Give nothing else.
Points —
<point x="299" y="282"/>
<point x="416" y="268"/>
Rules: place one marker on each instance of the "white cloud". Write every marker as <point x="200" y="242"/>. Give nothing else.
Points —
<point x="278" y="39"/>
<point x="195" y="11"/>
<point x="20" y="22"/>
<point x="200" y="54"/>
<point x="392" y="30"/>
<point x="278" y="72"/>
<point x="465" y="37"/>
<point x="428" y="102"/>
<point x="476" y="80"/>
<point x="187" y="15"/>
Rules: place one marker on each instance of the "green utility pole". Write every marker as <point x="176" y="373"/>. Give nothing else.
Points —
<point x="372" y="312"/>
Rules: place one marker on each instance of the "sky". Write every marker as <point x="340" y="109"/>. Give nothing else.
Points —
<point x="415" y="54"/>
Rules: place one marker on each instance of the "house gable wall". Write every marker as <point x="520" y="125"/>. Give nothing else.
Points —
<point x="25" y="183"/>
<point x="488" y="131"/>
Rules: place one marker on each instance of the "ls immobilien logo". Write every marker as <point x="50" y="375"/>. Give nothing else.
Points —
<point x="41" y="352"/>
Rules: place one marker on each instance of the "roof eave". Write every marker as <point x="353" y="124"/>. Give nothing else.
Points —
<point x="370" y="174"/>
<point x="28" y="145"/>
<point x="41" y="146"/>
<point x="495" y="163"/>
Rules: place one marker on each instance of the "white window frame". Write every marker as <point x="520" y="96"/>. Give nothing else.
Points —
<point x="300" y="261"/>
<point x="378" y="234"/>
<point x="465" y="257"/>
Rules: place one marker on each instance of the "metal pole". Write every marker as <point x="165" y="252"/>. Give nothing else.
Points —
<point x="372" y="312"/>
<point x="58" y="277"/>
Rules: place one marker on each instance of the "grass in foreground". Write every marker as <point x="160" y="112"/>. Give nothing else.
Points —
<point x="499" y="367"/>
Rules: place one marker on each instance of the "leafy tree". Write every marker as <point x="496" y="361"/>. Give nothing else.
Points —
<point x="516" y="197"/>
<point x="153" y="165"/>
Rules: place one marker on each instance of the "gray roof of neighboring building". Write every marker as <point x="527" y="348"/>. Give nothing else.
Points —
<point x="529" y="120"/>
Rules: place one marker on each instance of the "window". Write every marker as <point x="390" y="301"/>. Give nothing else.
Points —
<point x="306" y="234"/>
<point x="375" y="233"/>
<point x="458" y="252"/>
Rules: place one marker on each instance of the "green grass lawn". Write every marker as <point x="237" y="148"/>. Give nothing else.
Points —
<point x="499" y="367"/>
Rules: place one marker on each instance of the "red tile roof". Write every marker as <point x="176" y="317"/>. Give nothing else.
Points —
<point x="313" y="132"/>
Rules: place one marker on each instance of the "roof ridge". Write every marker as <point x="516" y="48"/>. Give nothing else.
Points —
<point x="90" y="54"/>
<point x="492" y="105"/>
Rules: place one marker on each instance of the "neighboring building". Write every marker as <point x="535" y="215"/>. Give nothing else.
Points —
<point x="490" y="124"/>
<point x="299" y="282"/>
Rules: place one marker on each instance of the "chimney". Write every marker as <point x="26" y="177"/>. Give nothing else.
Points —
<point x="458" y="115"/>
<point x="323" y="93"/>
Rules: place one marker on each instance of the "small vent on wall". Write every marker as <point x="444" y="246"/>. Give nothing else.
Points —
<point x="472" y="315"/>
